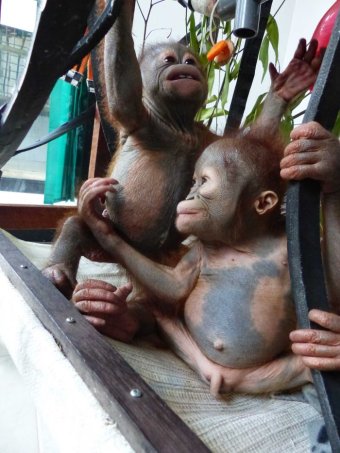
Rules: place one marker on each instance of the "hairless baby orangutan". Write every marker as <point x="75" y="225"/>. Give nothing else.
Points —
<point x="226" y="307"/>
<point x="152" y="103"/>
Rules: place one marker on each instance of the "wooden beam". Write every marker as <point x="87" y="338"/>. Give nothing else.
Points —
<point x="21" y="217"/>
<point x="100" y="155"/>
<point x="148" y="424"/>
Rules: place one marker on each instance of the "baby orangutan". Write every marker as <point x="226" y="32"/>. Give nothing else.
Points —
<point x="226" y="307"/>
<point x="152" y="103"/>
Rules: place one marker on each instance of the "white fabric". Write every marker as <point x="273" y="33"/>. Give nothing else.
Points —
<point x="45" y="406"/>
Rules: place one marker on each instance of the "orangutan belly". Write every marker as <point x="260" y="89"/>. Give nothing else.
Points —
<point x="144" y="206"/>
<point x="240" y="316"/>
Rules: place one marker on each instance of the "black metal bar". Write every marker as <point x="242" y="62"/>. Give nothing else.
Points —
<point x="303" y="231"/>
<point x="147" y="422"/>
<point x="96" y="33"/>
<point x="84" y="117"/>
<point x="247" y="72"/>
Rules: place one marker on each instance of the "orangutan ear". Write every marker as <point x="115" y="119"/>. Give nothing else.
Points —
<point x="265" y="202"/>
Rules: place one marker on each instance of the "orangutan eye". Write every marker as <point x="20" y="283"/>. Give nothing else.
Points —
<point x="169" y="59"/>
<point x="190" y="61"/>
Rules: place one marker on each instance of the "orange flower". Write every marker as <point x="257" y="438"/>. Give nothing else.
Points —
<point x="221" y="52"/>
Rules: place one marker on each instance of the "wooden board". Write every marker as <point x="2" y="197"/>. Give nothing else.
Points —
<point x="39" y="217"/>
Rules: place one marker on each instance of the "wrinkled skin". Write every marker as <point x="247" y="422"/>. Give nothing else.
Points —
<point x="205" y="350"/>
<point x="153" y="104"/>
<point x="319" y="349"/>
<point x="313" y="153"/>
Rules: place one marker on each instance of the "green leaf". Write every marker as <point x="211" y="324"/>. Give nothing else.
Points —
<point x="336" y="127"/>
<point x="286" y="126"/>
<point x="263" y="55"/>
<point x="256" y="110"/>
<point x="273" y="35"/>
<point x="225" y="88"/>
<point x="234" y="73"/>
<point x="227" y="28"/>
<point x="211" y="99"/>
<point x="211" y="78"/>
<point x="194" y="44"/>
<point x="207" y="114"/>
<point x="298" y="99"/>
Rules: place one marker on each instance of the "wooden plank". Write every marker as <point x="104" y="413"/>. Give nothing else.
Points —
<point x="303" y="232"/>
<point x="146" y="422"/>
<point x="100" y="155"/>
<point x="20" y="217"/>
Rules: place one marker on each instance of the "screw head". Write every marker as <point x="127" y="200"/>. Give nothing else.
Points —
<point x="70" y="320"/>
<point x="136" y="393"/>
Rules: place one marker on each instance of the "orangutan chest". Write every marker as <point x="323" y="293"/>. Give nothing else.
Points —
<point x="240" y="316"/>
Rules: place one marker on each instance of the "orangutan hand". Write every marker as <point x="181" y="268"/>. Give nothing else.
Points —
<point x="105" y="307"/>
<point x="300" y="73"/>
<point x="91" y="204"/>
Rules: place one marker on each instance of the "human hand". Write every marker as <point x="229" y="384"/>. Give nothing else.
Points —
<point x="313" y="153"/>
<point x="300" y="73"/>
<point x="105" y="307"/>
<point x="319" y="349"/>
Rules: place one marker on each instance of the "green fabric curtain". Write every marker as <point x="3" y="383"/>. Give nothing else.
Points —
<point x="67" y="156"/>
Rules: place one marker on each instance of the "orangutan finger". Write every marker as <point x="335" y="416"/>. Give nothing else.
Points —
<point x="95" y="183"/>
<point x="95" y="322"/>
<point x="99" y="307"/>
<point x="93" y="283"/>
<point x="311" y="50"/>
<point x="272" y="72"/>
<point x="216" y="383"/>
<point x="87" y="183"/>
<point x="301" y="49"/>
<point x="122" y="292"/>
<point x="94" y="294"/>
